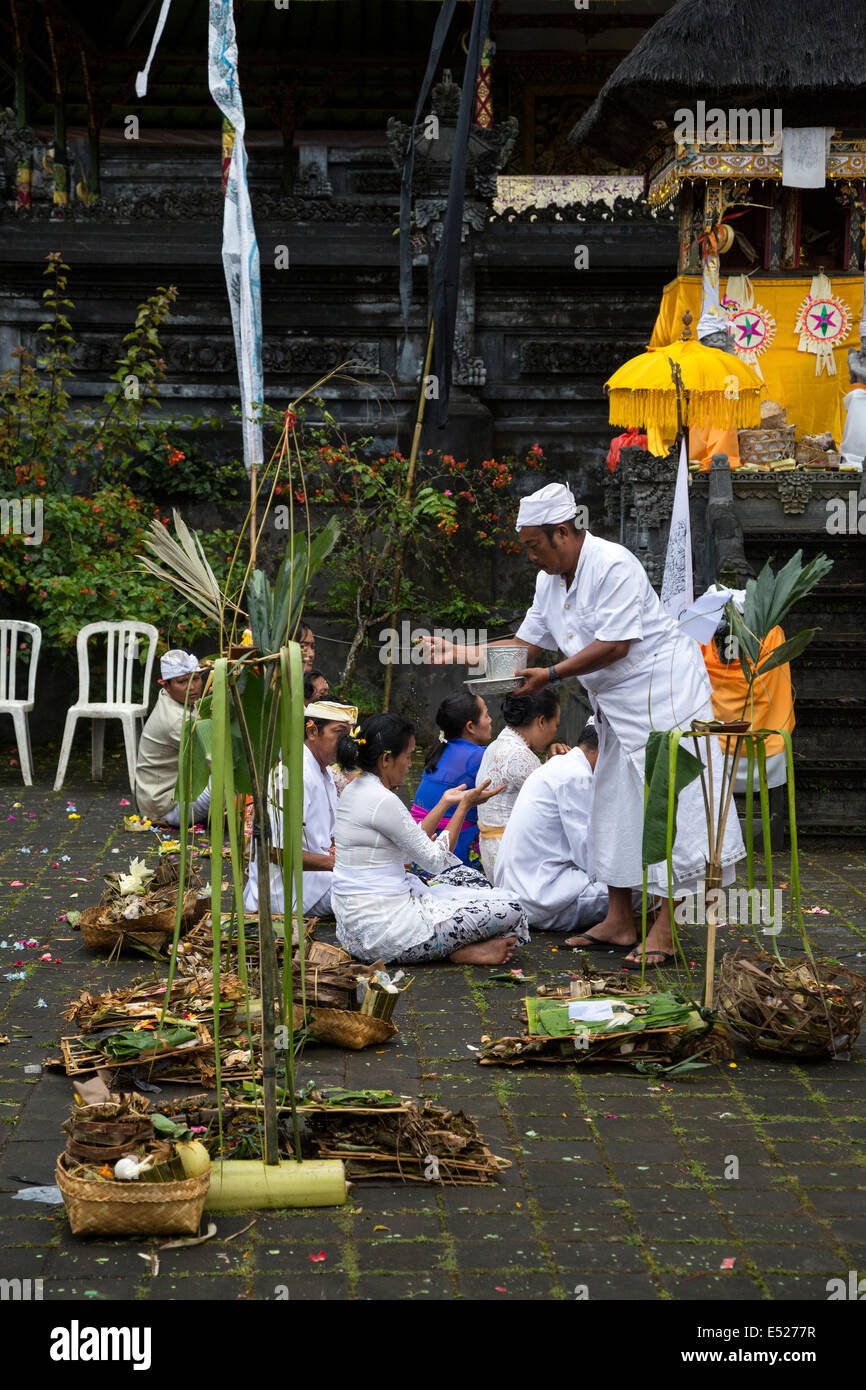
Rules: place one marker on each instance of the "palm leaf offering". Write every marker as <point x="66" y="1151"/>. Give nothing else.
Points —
<point x="647" y="1026"/>
<point x="402" y="1143"/>
<point x="183" y="564"/>
<point x="552" y="1018"/>
<point x="128" y="1043"/>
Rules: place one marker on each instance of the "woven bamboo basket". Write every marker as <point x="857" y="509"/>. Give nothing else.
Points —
<point x="817" y="1014"/>
<point x="154" y="930"/>
<point x="345" y="1027"/>
<point x="766" y="445"/>
<point x="132" y="1209"/>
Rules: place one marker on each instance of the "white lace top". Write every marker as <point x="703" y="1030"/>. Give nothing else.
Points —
<point x="380" y="909"/>
<point x="507" y="759"/>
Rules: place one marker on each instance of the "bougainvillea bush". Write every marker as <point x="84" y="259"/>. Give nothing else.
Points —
<point x="86" y="570"/>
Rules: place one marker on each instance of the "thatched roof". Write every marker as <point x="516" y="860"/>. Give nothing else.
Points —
<point x="807" y="57"/>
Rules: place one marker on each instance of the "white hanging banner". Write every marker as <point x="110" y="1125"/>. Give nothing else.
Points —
<point x="804" y="156"/>
<point x="240" y="249"/>
<point x="678" y="586"/>
<point x="141" y="77"/>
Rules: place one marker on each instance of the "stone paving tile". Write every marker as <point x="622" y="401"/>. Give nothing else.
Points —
<point x="271" y="1287"/>
<point x="520" y="1284"/>
<point x="378" y="1287"/>
<point x="800" y="1288"/>
<point x="726" y="1286"/>
<point x="619" y="1185"/>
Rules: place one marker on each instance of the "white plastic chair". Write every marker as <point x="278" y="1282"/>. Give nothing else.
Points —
<point x="123" y="641"/>
<point x="10" y="701"/>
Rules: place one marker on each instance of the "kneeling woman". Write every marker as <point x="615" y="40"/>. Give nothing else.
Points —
<point x="381" y="910"/>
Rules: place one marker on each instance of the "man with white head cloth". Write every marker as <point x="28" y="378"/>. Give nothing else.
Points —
<point x="159" y="747"/>
<point x="594" y="603"/>
<point x="324" y="722"/>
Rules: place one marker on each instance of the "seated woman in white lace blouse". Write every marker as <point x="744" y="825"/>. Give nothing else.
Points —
<point x="531" y="722"/>
<point x="381" y="910"/>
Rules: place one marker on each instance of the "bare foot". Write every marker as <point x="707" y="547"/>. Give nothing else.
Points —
<point x="494" y="952"/>
<point x="659" y="941"/>
<point x="613" y="929"/>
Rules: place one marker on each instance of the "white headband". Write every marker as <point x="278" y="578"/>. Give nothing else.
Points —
<point x="177" y="663"/>
<point x="547" y="507"/>
<point x="333" y="712"/>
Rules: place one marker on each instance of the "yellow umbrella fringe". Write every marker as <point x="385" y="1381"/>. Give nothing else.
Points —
<point x="631" y="409"/>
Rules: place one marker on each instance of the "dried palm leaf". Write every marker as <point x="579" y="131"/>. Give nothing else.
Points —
<point x="183" y="564"/>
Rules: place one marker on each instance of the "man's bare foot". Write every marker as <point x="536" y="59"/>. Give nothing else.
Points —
<point x="610" y="931"/>
<point x="494" y="952"/>
<point x="659" y="941"/>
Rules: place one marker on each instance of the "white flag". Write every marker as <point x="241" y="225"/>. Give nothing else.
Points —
<point x="240" y="249"/>
<point x="678" y="588"/>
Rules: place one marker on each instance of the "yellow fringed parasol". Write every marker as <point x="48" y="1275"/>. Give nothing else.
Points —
<point x="718" y="391"/>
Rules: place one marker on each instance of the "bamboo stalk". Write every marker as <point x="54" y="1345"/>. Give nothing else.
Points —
<point x="267" y="958"/>
<point x="250" y="1185"/>
<point x="253" y="502"/>
<point x="410" y="479"/>
<point x="750" y="831"/>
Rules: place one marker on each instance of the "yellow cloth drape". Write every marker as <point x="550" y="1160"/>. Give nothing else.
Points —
<point x="773" y="700"/>
<point x="814" y="403"/>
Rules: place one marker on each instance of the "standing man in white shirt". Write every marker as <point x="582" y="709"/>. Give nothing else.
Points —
<point x="545" y="849"/>
<point x="324" y="722"/>
<point x="594" y="602"/>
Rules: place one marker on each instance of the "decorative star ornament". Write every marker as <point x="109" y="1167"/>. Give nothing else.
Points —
<point x="823" y="323"/>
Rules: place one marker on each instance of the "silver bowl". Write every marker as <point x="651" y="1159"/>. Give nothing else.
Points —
<point x="502" y="662"/>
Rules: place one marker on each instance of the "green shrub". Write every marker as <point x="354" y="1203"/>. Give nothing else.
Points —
<point x="86" y="570"/>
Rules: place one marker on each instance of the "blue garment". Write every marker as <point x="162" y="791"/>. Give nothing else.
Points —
<point x="458" y="764"/>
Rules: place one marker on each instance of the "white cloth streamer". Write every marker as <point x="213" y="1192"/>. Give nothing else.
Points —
<point x="141" y="77"/>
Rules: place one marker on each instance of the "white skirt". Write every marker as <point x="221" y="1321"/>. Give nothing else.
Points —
<point x="617" y="824"/>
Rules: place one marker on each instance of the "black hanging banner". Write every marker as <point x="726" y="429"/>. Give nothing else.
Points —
<point x="447" y="273"/>
<point x="440" y="33"/>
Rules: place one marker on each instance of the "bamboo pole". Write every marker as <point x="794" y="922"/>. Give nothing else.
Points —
<point x="253" y="501"/>
<point x="410" y="479"/>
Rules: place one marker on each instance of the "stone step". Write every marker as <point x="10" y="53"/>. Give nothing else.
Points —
<point x="837" y="666"/>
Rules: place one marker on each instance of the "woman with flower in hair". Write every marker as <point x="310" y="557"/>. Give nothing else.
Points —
<point x="383" y="911"/>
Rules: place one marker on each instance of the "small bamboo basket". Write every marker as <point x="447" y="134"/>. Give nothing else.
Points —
<point x="345" y="1027"/>
<point x="133" y="1208"/>
<point x="153" y="930"/>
